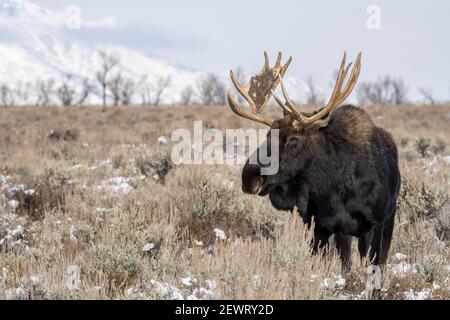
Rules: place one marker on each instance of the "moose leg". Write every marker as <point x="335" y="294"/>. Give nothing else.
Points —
<point x="388" y="228"/>
<point x="363" y="244"/>
<point x="376" y="244"/>
<point x="320" y="240"/>
<point x="373" y="286"/>
<point x="344" y="247"/>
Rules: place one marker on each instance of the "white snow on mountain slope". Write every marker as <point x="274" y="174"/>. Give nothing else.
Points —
<point x="22" y="8"/>
<point x="35" y="44"/>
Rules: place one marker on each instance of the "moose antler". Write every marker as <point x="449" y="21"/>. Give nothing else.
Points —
<point x="337" y="97"/>
<point x="258" y="90"/>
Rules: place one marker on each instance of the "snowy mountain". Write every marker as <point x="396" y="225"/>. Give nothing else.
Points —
<point x="39" y="44"/>
<point x="35" y="44"/>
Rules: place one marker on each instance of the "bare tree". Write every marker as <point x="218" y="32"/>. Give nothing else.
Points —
<point x="22" y="91"/>
<point x="159" y="86"/>
<point x="65" y="92"/>
<point x="187" y="96"/>
<point x="211" y="90"/>
<point x="399" y="91"/>
<point x="145" y="90"/>
<point x="122" y="89"/>
<point x="151" y="92"/>
<point x="384" y="90"/>
<point x="313" y="96"/>
<point x="44" y="90"/>
<point x="114" y="86"/>
<point x="427" y="95"/>
<point x="85" y="91"/>
<point x="68" y="94"/>
<point x="108" y="62"/>
<point x="240" y="77"/>
<point x="370" y="93"/>
<point x="127" y="91"/>
<point x="6" y="96"/>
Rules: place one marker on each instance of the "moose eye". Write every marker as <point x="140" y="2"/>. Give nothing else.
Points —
<point x="292" y="140"/>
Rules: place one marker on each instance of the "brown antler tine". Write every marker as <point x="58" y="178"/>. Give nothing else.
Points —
<point x="352" y="79"/>
<point x="348" y="67"/>
<point x="280" y="103"/>
<point x="242" y="92"/>
<point x="240" y="112"/>
<point x="278" y="62"/>
<point x="292" y="107"/>
<point x="285" y="67"/>
<point x="266" y="62"/>
<point x="338" y="96"/>
<point x="339" y="81"/>
<point x="285" y="94"/>
<point x="335" y="93"/>
<point x="258" y="91"/>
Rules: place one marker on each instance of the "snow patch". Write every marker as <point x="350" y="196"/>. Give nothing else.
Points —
<point x="148" y="247"/>
<point x="402" y="268"/>
<point x="400" y="257"/>
<point x="162" y="140"/>
<point x="167" y="290"/>
<point x="337" y="282"/>
<point x="188" y="281"/>
<point x="73" y="277"/>
<point x="198" y="243"/>
<point x="13" y="204"/>
<point x="220" y="234"/>
<point x="421" y="295"/>
<point x="30" y="192"/>
<point x="340" y="282"/>
<point x="107" y="162"/>
<point x="12" y="234"/>
<point x="203" y="293"/>
<point x="446" y="159"/>
<point x="116" y="185"/>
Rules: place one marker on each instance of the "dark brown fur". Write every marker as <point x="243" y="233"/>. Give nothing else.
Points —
<point x="343" y="172"/>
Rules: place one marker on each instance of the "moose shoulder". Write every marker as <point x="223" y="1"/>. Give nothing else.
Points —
<point x="335" y="165"/>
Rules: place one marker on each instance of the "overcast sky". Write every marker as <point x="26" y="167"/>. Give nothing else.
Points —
<point x="412" y="40"/>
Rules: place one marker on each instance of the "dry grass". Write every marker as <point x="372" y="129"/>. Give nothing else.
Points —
<point x="95" y="190"/>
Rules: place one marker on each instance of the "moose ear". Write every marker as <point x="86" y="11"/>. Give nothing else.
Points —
<point x="322" y="123"/>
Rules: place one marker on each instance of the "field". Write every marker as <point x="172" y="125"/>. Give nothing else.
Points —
<point x="91" y="207"/>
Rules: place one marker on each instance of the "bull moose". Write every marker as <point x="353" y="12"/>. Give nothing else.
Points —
<point x="335" y="165"/>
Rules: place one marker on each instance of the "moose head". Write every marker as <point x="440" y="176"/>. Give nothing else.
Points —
<point x="299" y="133"/>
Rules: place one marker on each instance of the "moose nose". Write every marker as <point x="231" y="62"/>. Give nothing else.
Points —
<point x="251" y="179"/>
<point x="253" y="187"/>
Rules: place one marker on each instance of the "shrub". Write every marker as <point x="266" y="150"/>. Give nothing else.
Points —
<point x="442" y="223"/>
<point x="418" y="200"/>
<point x="120" y="265"/>
<point x="211" y="205"/>
<point x="119" y="161"/>
<point x="29" y="289"/>
<point x="64" y="134"/>
<point x="422" y="146"/>
<point x="439" y="147"/>
<point x="404" y="142"/>
<point x="157" y="166"/>
<point x="45" y="193"/>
